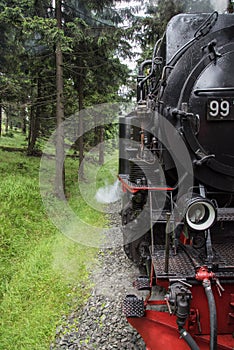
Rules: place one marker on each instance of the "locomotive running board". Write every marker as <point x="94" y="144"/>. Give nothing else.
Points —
<point x="184" y="264"/>
<point x="225" y="214"/>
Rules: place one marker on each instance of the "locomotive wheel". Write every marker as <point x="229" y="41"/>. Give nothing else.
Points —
<point x="138" y="251"/>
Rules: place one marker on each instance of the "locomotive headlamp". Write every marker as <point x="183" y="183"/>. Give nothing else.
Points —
<point x="200" y="213"/>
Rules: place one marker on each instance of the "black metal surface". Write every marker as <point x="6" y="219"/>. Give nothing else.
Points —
<point x="225" y="214"/>
<point x="159" y="216"/>
<point x="225" y="253"/>
<point x="133" y="306"/>
<point x="142" y="283"/>
<point x="179" y="265"/>
<point x="188" y="259"/>
<point x="196" y="71"/>
<point x="143" y="172"/>
<point x="220" y="109"/>
<point x="196" y="95"/>
<point x="182" y="28"/>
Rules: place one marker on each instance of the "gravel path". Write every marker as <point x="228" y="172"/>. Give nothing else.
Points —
<point x="101" y="324"/>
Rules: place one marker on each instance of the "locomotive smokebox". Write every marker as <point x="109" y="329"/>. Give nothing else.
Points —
<point x="201" y="79"/>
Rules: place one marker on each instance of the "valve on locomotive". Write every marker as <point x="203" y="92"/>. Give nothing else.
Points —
<point x="178" y="300"/>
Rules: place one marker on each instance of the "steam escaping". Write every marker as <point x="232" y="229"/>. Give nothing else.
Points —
<point x="109" y="193"/>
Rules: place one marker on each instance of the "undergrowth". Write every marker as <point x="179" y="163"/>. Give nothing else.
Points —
<point x="43" y="274"/>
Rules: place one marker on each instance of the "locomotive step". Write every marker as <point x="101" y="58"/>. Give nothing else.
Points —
<point x="225" y="214"/>
<point x="133" y="306"/>
<point x="159" y="216"/>
<point x="142" y="283"/>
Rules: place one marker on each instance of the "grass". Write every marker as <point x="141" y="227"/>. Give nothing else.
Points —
<point x="96" y="176"/>
<point x="43" y="275"/>
<point x="13" y="139"/>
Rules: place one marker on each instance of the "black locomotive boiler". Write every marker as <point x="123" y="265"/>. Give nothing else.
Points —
<point x="177" y="173"/>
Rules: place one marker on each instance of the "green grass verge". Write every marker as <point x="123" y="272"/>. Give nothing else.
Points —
<point x="43" y="275"/>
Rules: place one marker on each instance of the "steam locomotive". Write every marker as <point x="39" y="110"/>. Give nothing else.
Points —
<point x="176" y="168"/>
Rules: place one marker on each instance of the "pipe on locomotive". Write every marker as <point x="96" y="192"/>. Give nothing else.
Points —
<point x="189" y="339"/>
<point x="150" y="62"/>
<point x="213" y="317"/>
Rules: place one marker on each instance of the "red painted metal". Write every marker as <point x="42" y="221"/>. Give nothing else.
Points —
<point x="134" y="188"/>
<point x="203" y="274"/>
<point x="223" y="308"/>
<point x="160" y="331"/>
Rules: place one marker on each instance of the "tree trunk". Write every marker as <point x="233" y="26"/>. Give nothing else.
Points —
<point x="60" y="156"/>
<point x="24" y="121"/>
<point x="101" y="145"/>
<point x="31" y="131"/>
<point x="7" y="120"/>
<point x="35" y="115"/>
<point x="0" y="119"/>
<point x="230" y="7"/>
<point x="81" y="126"/>
<point x="34" y="126"/>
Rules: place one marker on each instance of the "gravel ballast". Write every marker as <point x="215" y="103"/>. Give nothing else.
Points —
<point x="101" y="324"/>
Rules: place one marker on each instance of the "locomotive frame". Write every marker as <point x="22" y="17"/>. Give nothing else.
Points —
<point x="178" y="207"/>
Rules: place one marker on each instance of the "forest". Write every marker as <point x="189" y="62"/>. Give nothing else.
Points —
<point x="59" y="58"/>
